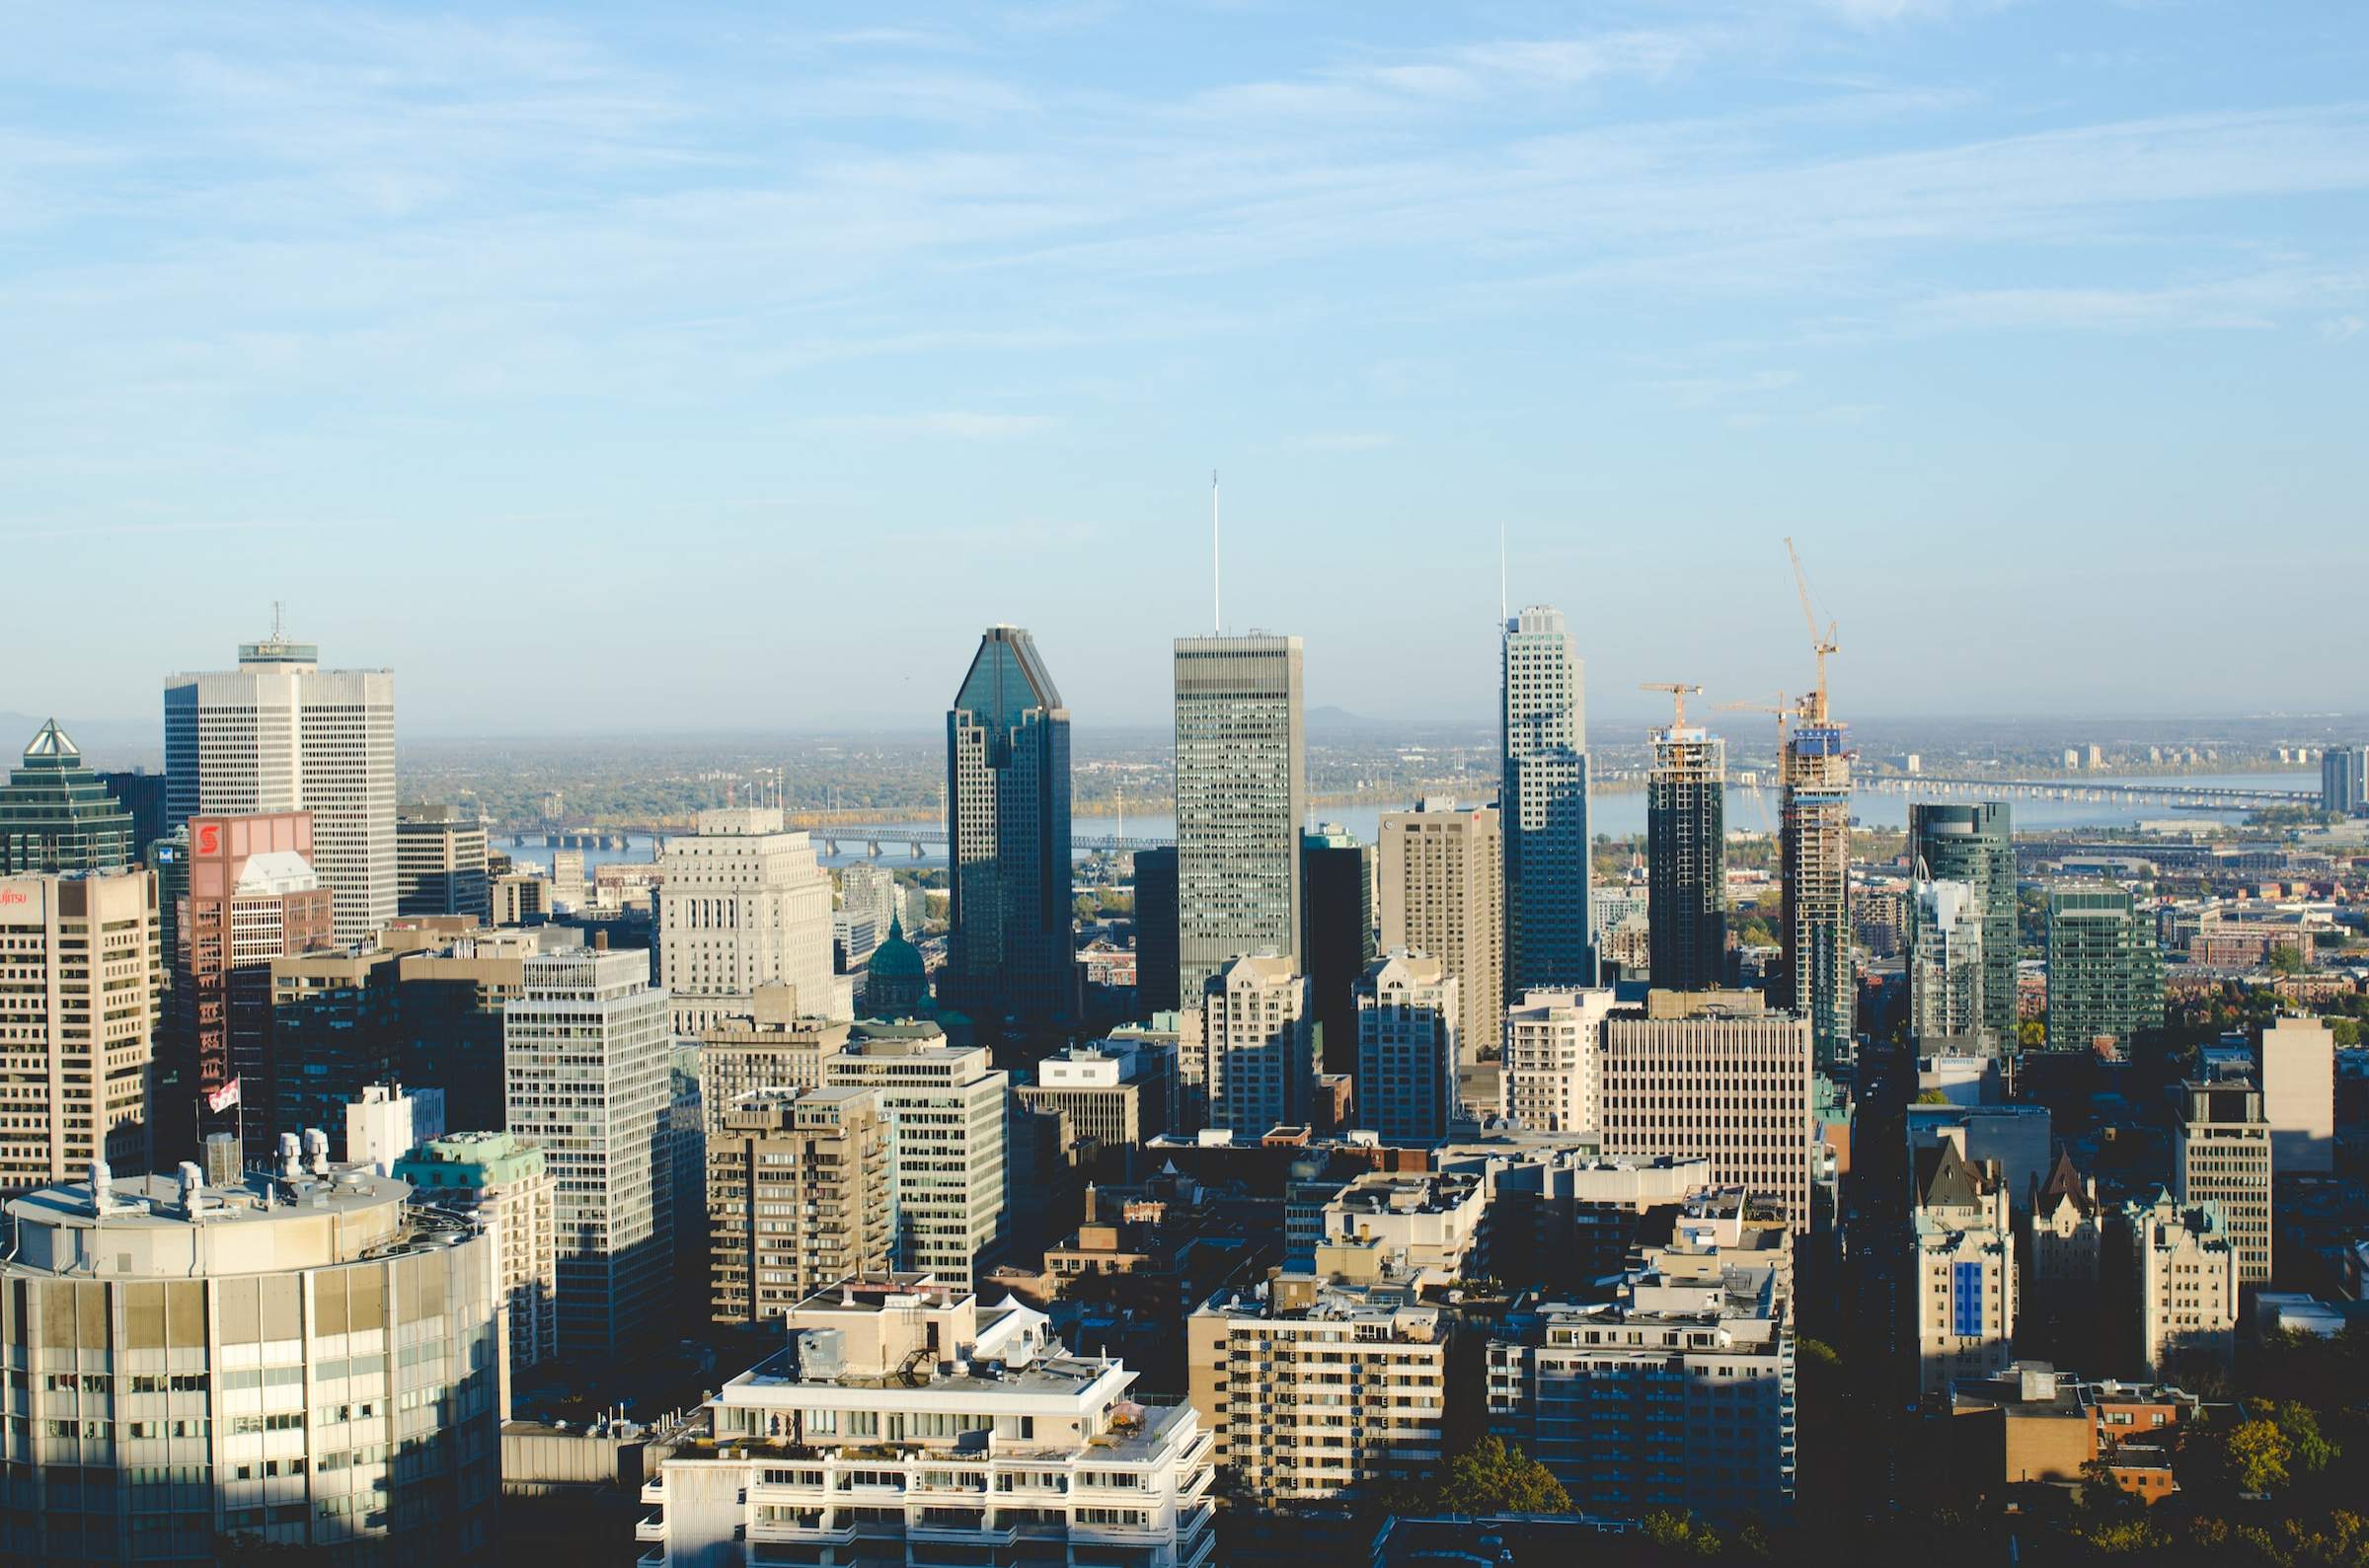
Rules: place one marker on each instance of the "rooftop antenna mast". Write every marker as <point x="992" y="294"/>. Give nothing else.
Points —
<point x="278" y="621"/>
<point x="1217" y="591"/>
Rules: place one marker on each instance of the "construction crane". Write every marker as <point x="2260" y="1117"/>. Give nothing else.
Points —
<point x="1813" y="708"/>
<point x="1784" y="712"/>
<point x="1679" y="693"/>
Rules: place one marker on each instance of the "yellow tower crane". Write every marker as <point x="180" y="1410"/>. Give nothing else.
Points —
<point x="1813" y="708"/>
<point x="1679" y="693"/>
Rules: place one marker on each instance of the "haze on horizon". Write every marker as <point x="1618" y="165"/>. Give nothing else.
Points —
<point x="726" y="367"/>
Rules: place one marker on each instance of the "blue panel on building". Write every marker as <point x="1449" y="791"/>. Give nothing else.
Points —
<point x="1966" y="1306"/>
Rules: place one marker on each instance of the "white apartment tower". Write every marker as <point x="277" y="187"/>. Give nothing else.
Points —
<point x="2222" y="1153"/>
<point x="1242" y="797"/>
<point x="2299" y="1096"/>
<point x="1554" y="1059"/>
<point x="1946" y="1015"/>
<point x="1259" y="1051"/>
<point x="2185" y="1271"/>
<point x="946" y="1108"/>
<point x="280" y="733"/>
<point x="745" y="903"/>
<point x="1715" y="1074"/>
<point x="587" y="1054"/>
<point x="1409" y="1017"/>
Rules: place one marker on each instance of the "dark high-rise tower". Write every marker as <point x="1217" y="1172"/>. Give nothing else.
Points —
<point x="1686" y="855"/>
<point x="1006" y="802"/>
<point x="1337" y="941"/>
<point x="1156" y="932"/>
<point x="1970" y="844"/>
<point x="57" y="816"/>
<point x="1814" y="848"/>
<point x="1544" y="806"/>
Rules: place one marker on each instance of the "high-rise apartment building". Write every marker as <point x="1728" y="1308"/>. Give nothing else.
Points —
<point x="797" y="1198"/>
<point x="1963" y="1268"/>
<point x="2105" y="977"/>
<point x="1972" y="844"/>
<point x="280" y="734"/>
<point x="2221" y="1153"/>
<point x="587" y="1050"/>
<point x="1814" y="857"/>
<point x="1686" y="860"/>
<point x="1156" y="958"/>
<point x="2344" y="779"/>
<point x="1542" y="731"/>
<point x="80" y="985"/>
<point x="769" y="1047"/>
<point x="1336" y="935"/>
<point x="1410" y="1013"/>
<point x="1240" y="800"/>
<point x="252" y="897"/>
<point x="440" y="864"/>
<point x="928" y="1429"/>
<point x="1713" y="1075"/>
<point x="1258" y="1053"/>
<point x="947" y="1133"/>
<point x="745" y="903"/>
<point x="1320" y="1388"/>
<point x="1441" y="891"/>
<point x="1945" y="970"/>
<point x="1009" y="947"/>
<point x="1555" y="1060"/>
<point x="293" y="1364"/>
<point x="503" y="1184"/>
<point x="57" y="816"/>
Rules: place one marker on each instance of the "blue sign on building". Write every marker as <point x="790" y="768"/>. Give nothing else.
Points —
<point x="1965" y="1299"/>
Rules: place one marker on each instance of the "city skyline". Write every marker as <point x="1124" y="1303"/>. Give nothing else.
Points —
<point x="571" y="295"/>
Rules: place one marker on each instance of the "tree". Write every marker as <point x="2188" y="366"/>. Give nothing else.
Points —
<point x="2255" y="1454"/>
<point x="2032" y="1034"/>
<point x="1492" y="1477"/>
<point x="1933" y="1096"/>
<point x="2286" y="961"/>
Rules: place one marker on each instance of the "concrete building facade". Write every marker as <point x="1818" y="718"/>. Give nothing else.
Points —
<point x="503" y="1184"/>
<point x="798" y="1184"/>
<point x="1242" y="797"/>
<point x="745" y="903"/>
<point x="1257" y="1053"/>
<point x="1715" y="1074"/>
<point x="2221" y="1151"/>
<point x="1409" y="1022"/>
<point x="1555" y="1060"/>
<point x="947" y="1131"/>
<point x="1440" y="890"/>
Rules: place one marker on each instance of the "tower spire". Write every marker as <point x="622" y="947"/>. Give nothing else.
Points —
<point x="1217" y="591"/>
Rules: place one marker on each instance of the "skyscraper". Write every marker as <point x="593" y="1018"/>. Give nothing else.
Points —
<point x="2105" y="977"/>
<point x="1008" y="949"/>
<point x="78" y="1015"/>
<point x="1337" y="937"/>
<point x="57" y="816"/>
<point x="1408" y="1011"/>
<point x="947" y="1137"/>
<point x="280" y="733"/>
<point x="1814" y="848"/>
<point x="588" y="1052"/>
<point x="1260" y="1056"/>
<point x="1241" y="794"/>
<point x="1756" y="1129"/>
<point x="744" y="903"/>
<point x="1946" y="972"/>
<point x="1971" y="844"/>
<point x="1544" y="801"/>
<point x="2343" y="778"/>
<point x="440" y="864"/>
<point x="1441" y="892"/>
<point x="1156" y="982"/>
<point x="1686" y="860"/>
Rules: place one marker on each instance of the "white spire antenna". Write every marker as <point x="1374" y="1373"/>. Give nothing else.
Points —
<point x="1217" y="588"/>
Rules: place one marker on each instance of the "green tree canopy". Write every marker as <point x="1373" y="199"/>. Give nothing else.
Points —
<point x="1491" y="1478"/>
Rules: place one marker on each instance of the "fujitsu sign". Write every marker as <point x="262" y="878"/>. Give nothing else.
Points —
<point x="14" y="895"/>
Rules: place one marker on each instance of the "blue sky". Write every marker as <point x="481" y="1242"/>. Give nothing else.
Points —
<point x="633" y="367"/>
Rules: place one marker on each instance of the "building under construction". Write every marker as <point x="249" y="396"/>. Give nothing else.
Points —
<point x="1815" y="842"/>
<point x="1686" y="853"/>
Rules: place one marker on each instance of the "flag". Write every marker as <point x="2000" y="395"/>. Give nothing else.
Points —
<point x="223" y="1099"/>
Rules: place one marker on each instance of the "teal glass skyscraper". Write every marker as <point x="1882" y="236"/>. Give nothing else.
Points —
<point x="1543" y="804"/>
<point x="55" y="816"/>
<point x="1010" y="952"/>
<point x="2105" y="976"/>
<point x="1971" y="844"/>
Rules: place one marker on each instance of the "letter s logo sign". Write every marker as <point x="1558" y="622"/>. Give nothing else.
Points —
<point x="209" y="838"/>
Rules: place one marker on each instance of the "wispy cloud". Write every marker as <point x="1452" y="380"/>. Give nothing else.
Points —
<point x="959" y="426"/>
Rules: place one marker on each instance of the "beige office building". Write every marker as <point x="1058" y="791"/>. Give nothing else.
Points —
<point x="81" y="974"/>
<point x="797" y="1197"/>
<point x="744" y="903"/>
<point x="1439" y="889"/>
<point x="768" y="1047"/>
<point x="2299" y="1096"/>
<point x="948" y="1130"/>
<point x="2221" y="1151"/>
<point x="1715" y="1074"/>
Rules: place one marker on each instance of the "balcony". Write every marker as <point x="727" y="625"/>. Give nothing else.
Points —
<point x="653" y="1492"/>
<point x="651" y="1529"/>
